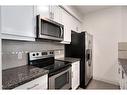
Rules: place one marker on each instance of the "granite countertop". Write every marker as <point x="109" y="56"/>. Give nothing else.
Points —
<point x="69" y="59"/>
<point x="123" y="63"/>
<point x="14" y="77"/>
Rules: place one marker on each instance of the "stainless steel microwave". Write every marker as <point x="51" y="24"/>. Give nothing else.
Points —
<point x="48" y="29"/>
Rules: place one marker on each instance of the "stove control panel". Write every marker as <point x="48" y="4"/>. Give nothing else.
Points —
<point x="40" y="55"/>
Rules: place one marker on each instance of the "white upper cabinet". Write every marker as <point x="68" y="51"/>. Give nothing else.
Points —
<point x="70" y="24"/>
<point x="76" y="25"/>
<point x="57" y="14"/>
<point x="18" y="22"/>
<point x="44" y="11"/>
<point x="66" y="21"/>
<point x="51" y="12"/>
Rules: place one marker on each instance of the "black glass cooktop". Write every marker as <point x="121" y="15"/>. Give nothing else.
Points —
<point x="50" y="64"/>
<point x="57" y="65"/>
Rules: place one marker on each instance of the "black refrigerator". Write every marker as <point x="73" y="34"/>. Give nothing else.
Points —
<point x="81" y="47"/>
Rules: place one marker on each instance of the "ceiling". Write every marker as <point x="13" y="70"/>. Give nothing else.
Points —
<point x="88" y="9"/>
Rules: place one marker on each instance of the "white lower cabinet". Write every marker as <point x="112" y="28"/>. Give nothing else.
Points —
<point x="75" y="74"/>
<point x="40" y="83"/>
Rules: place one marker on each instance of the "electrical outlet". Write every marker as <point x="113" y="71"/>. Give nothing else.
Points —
<point x="19" y="55"/>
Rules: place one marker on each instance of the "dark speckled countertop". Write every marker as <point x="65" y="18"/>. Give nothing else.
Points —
<point x="14" y="77"/>
<point x="123" y="63"/>
<point x="69" y="59"/>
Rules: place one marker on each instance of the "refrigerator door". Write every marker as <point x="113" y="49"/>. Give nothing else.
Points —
<point x="88" y="58"/>
<point x="75" y="48"/>
<point x="81" y="47"/>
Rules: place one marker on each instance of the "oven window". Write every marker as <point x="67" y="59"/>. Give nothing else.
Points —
<point x="62" y="80"/>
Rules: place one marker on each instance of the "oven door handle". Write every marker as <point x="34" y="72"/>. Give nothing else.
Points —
<point x="60" y="72"/>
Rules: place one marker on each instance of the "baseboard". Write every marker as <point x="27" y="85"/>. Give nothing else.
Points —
<point x="104" y="80"/>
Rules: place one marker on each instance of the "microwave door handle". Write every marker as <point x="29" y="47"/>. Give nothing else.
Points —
<point x="61" y="32"/>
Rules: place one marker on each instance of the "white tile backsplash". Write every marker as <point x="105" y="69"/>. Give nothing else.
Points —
<point x="59" y="54"/>
<point x="14" y="53"/>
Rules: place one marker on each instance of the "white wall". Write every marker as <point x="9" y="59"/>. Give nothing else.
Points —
<point x="105" y="25"/>
<point x="124" y="25"/>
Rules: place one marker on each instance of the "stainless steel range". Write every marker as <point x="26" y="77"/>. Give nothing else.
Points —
<point x="59" y="71"/>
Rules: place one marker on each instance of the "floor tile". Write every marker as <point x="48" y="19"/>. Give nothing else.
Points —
<point x="95" y="84"/>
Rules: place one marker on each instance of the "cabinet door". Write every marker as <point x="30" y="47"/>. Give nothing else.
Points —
<point x="40" y="83"/>
<point x="44" y="11"/>
<point x="51" y="12"/>
<point x="66" y="20"/>
<point x="57" y="14"/>
<point x="76" y="25"/>
<point x="18" y="20"/>
<point x="75" y="75"/>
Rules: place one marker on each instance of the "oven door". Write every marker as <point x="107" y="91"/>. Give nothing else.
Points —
<point x="61" y="80"/>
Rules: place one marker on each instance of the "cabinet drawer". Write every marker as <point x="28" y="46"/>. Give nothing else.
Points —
<point x="39" y="84"/>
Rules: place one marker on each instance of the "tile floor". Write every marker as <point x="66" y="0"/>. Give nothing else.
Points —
<point x="95" y="84"/>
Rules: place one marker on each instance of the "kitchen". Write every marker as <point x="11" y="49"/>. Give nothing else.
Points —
<point x="93" y="35"/>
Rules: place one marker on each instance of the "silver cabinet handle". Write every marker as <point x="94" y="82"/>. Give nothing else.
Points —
<point x="33" y="86"/>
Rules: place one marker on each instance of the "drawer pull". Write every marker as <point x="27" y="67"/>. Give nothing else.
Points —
<point x="33" y="86"/>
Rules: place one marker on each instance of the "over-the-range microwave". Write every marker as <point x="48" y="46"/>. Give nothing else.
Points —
<point x="49" y="29"/>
